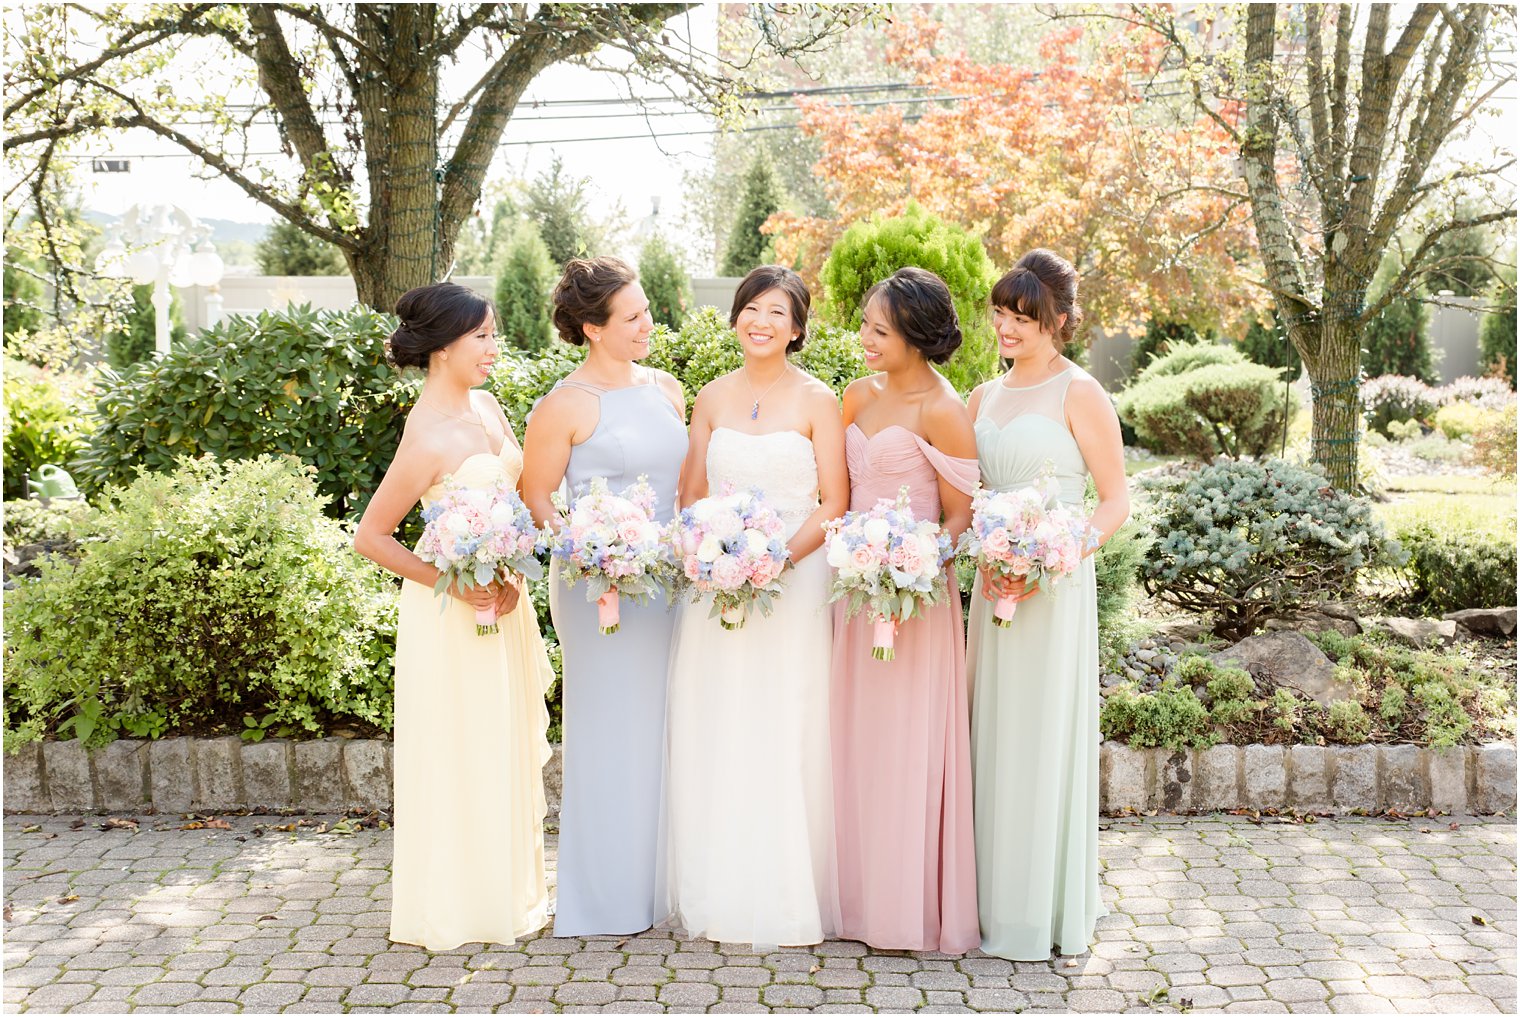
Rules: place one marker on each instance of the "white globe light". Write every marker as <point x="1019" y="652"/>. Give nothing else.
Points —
<point x="206" y="266"/>
<point x="112" y="262"/>
<point x="181" y="272"/>
<point x="142" y="266"/>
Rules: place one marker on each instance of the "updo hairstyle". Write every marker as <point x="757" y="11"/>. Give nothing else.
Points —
<point x="583" y="295"/>
<point x="1042" y="286"/>
<point x="919" y="305"/>
<point x="433" y="317"/>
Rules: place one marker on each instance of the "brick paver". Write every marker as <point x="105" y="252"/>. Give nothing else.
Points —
<point x="1207" y="914"/>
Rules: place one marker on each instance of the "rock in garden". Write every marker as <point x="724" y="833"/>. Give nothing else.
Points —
<point x="1415" y="631"/>
<point x="1184" y="629"/>
<point x="1312" y="622"/>
<point x="1485" y="621"/>
<point x="1292" y="661"/>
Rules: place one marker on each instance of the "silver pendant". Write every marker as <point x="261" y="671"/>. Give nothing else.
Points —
<point x="754" y="411"/>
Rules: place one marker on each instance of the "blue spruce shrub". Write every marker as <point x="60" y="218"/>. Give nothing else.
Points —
<point x="1243" y="541"/>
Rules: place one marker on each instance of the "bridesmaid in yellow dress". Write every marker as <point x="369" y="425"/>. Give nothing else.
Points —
<point x="471" y="723"/>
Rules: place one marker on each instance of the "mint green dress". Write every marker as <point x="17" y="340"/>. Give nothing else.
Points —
<point x="1034" y="708"/>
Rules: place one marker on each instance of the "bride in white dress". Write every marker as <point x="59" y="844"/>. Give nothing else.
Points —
<point x="748" y="807"/>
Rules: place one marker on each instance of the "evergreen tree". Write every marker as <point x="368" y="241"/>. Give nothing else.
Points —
<point x="22" y="293"/>
<point x="558" y="204"/>
<point x="665" y="282"/>
<point x="1267" y="344"/>
<point x="747" y="246"/>
<point x="288" y="250"/>
<point x="524" y="283"/>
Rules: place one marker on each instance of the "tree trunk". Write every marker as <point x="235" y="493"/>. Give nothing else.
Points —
<point x="1337" y="412"/>
<point x="401" y="248"/>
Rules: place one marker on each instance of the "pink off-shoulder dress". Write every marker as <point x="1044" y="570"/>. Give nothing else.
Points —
<point x="906" y="858"/>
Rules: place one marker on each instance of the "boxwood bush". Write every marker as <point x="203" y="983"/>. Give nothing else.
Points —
<point x="1242" y="541"/>
<point x="1451" y="570"/>
<point x="214" y="597"/>
<point x="1202" y="400"/>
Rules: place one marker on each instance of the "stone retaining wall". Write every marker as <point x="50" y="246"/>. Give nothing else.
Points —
<point x="333" y="774"/>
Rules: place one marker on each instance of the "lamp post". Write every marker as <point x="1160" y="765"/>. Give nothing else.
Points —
<point x="162" y="245"/>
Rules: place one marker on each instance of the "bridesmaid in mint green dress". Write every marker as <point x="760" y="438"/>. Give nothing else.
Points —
<point x="1034" y="685"/>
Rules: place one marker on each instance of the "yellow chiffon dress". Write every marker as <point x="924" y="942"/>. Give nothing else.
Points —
<point x="470" y="746"/>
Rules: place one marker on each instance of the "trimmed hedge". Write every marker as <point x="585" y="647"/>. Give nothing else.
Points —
<point x="1204" y="400"/>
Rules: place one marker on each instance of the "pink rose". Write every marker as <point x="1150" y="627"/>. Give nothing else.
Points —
<point x="996" y="542"/>
<point x="911" y="563"/>
<point x="727" y="573"/>
<point x="630" y="530"/>
<point x="693" y="567"/>
<point x="864" y="558"/>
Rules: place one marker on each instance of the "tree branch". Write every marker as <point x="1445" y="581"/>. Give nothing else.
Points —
<point x="1414" y="268"/>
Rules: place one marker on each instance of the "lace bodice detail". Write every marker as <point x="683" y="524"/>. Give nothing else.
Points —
<point x="480" y="470"/>
<point x="780" y="465"/>
<point x="1021" y="433"/>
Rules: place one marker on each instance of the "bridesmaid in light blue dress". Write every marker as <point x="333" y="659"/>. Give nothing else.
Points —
<point x="608" y="418"/>
<point x="1034" y="685"/>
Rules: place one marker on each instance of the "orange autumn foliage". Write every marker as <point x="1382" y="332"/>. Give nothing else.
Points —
<point x="1069" y="155"/>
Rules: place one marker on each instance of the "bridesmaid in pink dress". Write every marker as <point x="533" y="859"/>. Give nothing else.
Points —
<point x="901" y="732"/>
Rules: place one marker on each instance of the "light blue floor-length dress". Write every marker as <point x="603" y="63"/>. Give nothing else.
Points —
<point x="1034" y="708"/>
<point x="614" y="690"/>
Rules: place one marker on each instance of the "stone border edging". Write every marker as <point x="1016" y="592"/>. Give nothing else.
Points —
<point x="336" y="774"/>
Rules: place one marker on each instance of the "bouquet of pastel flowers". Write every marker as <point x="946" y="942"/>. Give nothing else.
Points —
<point x="473" y="534"/>
<point x="612" y="542"/>
<point x="889" y="562"/>
<point x="731" y="546"/>
<point x="1026" y="532"/>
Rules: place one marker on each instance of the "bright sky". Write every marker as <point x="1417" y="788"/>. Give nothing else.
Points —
<point x="634" y="172"/>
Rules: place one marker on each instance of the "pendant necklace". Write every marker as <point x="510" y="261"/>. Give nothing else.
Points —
<point x="754" y="410"/>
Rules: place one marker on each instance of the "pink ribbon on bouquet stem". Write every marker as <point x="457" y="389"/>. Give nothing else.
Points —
<point x="883" y="634"/>
<point x="607" y="612"/>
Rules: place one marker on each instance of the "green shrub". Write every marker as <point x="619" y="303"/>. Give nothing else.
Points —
<point x="1493" y="447"/>
<point x="29" y="521"/>
<point x="1450" y="570"/>
<point x="1460" y="421"/>
<point x="1170" y="717"/>
<point x="1184" y="357"/>
<point x="524" y="281"/>
<point x="665" y="282"/>
<point x="287" y="249"/>
<point x="1393" y="705"/>
<point x="313" y="384"/>
<point x="521" y="379"/>
<point x="1496" y="336"/>
<point x="1269" y="346"/>
<point x="1347" y="722"/>
<point x="138" y="338"/>
<point x="1392" y="397"/>
<point x="1207" y="409"/>
<point x="1161" y="337"/>
<point x="1403" y="430"/>
<point x="206" y="595"/>
<point x="43" y="424"/>
<point x="873" y="249"/>
<point x="1246" y="540"/>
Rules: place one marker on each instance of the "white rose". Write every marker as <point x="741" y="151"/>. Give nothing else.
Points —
<point x="929" y="550"/>
<point x="839" y="554"/>
<point x="709" y="549"/>
<point x="756" y="542"/>
<point x="458" y="524"/>
<point x="877" y="531"/>
<point x="501" y="516"/>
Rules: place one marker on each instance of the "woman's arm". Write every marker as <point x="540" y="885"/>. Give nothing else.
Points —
<point x="546" y="451"/>
<point x="694" y="469"/>
<point x="409" y="476"/>
<point x="833" y="476"/>
<point x="1093" y="423"/>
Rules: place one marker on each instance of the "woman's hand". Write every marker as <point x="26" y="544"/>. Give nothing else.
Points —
<point x="508" y="596"/>
<point x="997" y="587"/>
<point x="478" y="597"/>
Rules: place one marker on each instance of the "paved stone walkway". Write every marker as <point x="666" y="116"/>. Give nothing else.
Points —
<point x="1347" y="915"/>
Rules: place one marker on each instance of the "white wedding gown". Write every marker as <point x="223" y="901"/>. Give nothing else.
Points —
<point x="748" y="787"/>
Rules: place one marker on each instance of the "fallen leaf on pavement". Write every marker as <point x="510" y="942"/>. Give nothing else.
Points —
<point x="68" y="899"/>
<point x="31" y="829"/>
<point x="119" y="823"/>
